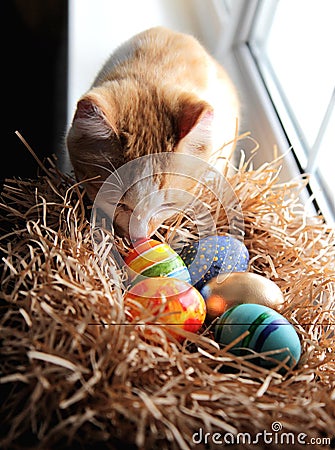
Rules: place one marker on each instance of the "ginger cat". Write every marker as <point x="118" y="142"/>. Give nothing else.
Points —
<point x="158" y="92"/>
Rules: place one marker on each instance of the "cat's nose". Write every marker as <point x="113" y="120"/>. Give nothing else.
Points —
<point x="128" y="223"/>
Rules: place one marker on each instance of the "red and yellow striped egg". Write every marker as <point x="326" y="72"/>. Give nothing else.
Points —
<point x="166" y="301"/>
<point x="151" y="258"/>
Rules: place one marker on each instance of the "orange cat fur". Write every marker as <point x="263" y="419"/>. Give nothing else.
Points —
<point x="158" y="92"/>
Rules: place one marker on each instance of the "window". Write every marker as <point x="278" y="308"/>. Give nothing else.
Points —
<point x="290" y="44"/>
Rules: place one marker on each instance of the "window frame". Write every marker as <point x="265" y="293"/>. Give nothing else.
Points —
<point x="263" y="114"/>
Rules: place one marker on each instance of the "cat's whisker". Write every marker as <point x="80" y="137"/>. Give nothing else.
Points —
<point x="105" y="183"/>
<point x="113" y="200"/>
<point x="113" y="188"/>
<point x="100" y="166"/>
<point x="114" y="171"/>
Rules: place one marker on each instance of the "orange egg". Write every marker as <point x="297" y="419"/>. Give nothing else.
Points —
<point x="216" y="306"/>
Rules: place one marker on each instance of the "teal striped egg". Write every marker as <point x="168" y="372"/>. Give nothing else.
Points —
<point x="268" y="331"/>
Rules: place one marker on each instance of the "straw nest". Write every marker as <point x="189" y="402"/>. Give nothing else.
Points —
<point x="75" y="375"/>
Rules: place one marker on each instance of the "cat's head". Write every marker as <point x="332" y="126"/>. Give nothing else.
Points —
<point x="122" y="121"/>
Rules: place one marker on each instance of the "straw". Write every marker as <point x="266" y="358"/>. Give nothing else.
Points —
<point x="76" y="374"/>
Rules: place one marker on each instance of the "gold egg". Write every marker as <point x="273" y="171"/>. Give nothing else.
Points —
<point x="240" y="287"/>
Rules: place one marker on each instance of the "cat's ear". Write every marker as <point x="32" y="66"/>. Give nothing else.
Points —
<point x="195" y="125"/>
<point x="90" y="119"/>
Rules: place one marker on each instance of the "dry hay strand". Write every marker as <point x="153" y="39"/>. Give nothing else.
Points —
<point x="76" y="374"/>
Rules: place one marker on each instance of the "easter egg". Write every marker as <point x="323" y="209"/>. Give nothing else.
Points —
<point x="167" y="301"/>
<point x="227" y="290"/>
<point x="212" y="255"/>
<point x="268" y="331"/>
<point x="151" y="258"/>
<point x="216" y="306"/>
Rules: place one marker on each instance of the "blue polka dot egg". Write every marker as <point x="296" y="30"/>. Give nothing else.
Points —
<point x="268" y="331"/>
<point x="212" y="255"/>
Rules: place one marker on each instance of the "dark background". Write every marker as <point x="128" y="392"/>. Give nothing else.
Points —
<point x="34" y="94"/>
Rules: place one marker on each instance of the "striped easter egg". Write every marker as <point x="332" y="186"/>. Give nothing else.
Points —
<point x="167" y="301"/>
<point x="268" y="331"/>
<point x="151" y="258"/>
